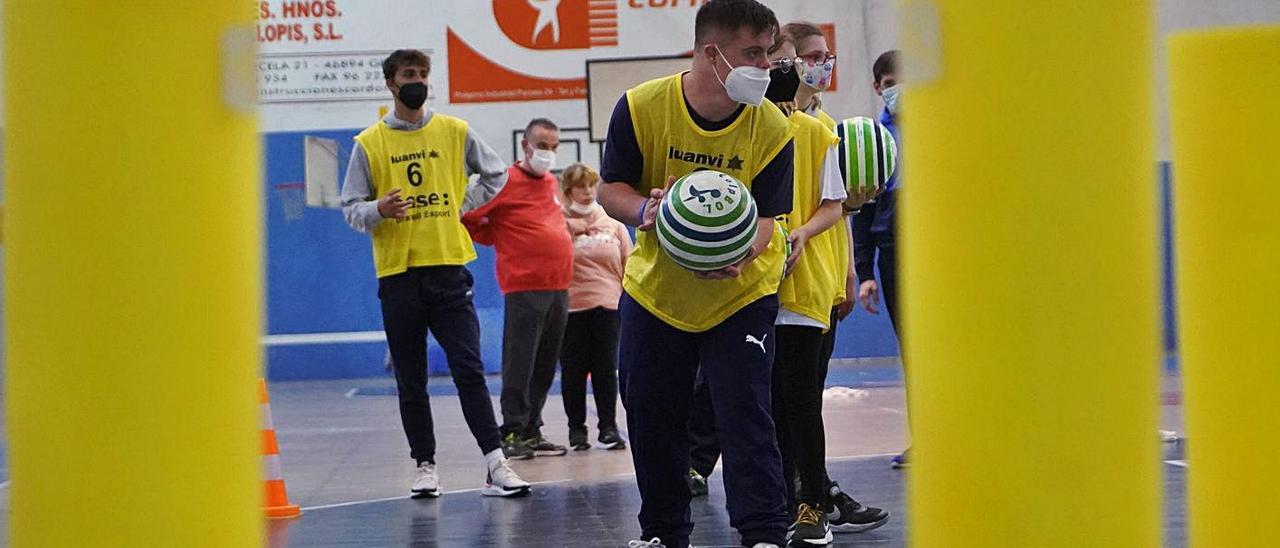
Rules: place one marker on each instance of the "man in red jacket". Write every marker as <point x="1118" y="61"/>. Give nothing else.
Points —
<point x="525" y="225"/>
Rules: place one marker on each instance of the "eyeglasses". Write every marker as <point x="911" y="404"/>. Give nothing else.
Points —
<point x="785" y="64"/>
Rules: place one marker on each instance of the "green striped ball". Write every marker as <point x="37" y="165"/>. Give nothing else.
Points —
<point x="868" y="153"/>
<point x="706" y="221"/>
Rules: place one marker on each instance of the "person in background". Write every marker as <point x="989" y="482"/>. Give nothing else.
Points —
<point x="405" y="186"/>
<point x="875" y="243"/>
<point x="600" y="249"/>
<point x="525" y="225"/>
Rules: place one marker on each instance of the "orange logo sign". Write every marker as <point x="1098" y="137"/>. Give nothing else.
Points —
<point x="558" y="24"/>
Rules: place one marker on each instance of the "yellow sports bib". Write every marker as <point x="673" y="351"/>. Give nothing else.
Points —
<point x="673" y="145"/>
<point x="839" y="232"/>
<point x="812" y="285"/>
<point x="426" y="165"/>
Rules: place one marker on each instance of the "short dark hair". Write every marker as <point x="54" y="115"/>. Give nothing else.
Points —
<point x="542" y="123"/>
<point x="886" y="63"/>
<point x="731" y="15"/>
<point x="404" y="58"/>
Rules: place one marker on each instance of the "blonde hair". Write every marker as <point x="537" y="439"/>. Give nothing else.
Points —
<point x="799" y="30"/>
<point x="578" y="175"/>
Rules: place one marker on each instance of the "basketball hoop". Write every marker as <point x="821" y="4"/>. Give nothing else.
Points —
<point x="293" y="200"/>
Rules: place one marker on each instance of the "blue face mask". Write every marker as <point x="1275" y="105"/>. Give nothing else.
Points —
<point x="890" y="95"/>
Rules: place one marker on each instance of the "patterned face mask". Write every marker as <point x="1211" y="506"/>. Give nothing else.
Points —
<point x="816" y="75"/>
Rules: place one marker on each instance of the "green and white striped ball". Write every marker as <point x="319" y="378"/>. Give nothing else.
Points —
<point x="868" y="153"/>
<point x="706" y="221"/>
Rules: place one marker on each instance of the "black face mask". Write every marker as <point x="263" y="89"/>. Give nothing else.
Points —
<point x="782" y="85"/>
<point x="414" y="94"/>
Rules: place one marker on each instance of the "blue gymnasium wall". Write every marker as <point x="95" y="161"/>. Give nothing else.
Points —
<point x="320" y="279"/>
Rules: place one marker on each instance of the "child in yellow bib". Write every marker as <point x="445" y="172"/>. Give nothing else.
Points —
<point x="807" y="294"/>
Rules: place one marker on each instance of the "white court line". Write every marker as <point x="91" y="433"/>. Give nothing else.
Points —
<point x="406" y="497"/>
<point x="324" y="338"/>
<point x="338" y="430"/>
<point x="1178" y="463"/>
<point x="552" y="482"/>
<point x="352" y="503"/>
<point x="873" y="456"/>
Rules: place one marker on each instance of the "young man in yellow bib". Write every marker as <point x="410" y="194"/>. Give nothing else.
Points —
<point x="672" y="320"/>
<point x="405" y="185"/>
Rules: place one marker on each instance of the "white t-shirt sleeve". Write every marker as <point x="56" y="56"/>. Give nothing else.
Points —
<point x="832" y="184"/>
<point x="786" y="316"/>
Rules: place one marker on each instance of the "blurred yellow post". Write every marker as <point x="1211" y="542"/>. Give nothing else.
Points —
<point x="1029" y="237"/>
<point x="1225" y="118"/>
<point x="133" y="274"/>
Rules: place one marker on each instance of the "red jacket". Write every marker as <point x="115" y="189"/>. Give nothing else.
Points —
<point x="525" y="225"/>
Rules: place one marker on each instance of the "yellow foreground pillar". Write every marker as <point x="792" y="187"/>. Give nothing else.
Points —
<point x="1029" y="236"/>
<point x="132" y="275"/>
<point x="1224" y="87"/>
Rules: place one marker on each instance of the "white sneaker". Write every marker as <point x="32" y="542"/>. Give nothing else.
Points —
<point x="503" y="482"/>
<point x="765" y="545"/>
<point x="427" y="484"/>
<point x="654" y="543"/>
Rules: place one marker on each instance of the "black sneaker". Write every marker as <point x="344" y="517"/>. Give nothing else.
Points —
<point x="612" y="440"/>
<point x="810" y="528"/>
<point x="697" y="483"/>
<point x="846" y="515"/>
<point x="578" y="440"/>
<point x="515" y="448"/>
<point x="543" y="448"/>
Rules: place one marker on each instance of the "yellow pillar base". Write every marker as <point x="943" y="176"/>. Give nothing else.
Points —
<point x="1225" y="118"/>
<point x="1028" y="237"/>
<point x="132" y="275"/>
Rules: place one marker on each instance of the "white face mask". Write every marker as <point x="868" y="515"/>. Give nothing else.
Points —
<point x="541" y="161"/>
<point x="581" y="209"/>
<point x="745" y="84"/>
<point x="890" y="95"/>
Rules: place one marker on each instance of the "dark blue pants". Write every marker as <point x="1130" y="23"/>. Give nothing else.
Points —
<point x="705" y="445"/>
<point x="656" y="372"/>
<point x="704" y="450"/>
<point x="436" y="298"/>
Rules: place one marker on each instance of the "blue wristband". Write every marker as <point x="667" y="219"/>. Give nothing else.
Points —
<point x="640" y="214"/>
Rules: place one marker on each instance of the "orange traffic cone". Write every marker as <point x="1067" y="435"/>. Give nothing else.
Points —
<point x="277" y="499"/>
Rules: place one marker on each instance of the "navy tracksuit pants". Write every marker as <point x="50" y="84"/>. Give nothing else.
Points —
<point x="657" y="363"/>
